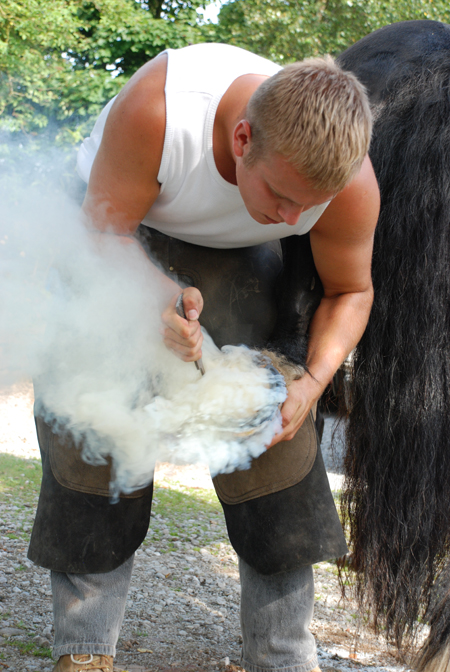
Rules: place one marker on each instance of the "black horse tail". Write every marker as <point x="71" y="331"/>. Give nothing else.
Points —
<point x="396" y="499"/>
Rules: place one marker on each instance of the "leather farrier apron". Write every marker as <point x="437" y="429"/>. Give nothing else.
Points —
<point x="280" y="513"/>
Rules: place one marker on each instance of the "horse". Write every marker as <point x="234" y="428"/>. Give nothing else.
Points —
<point x="396" y="495"/>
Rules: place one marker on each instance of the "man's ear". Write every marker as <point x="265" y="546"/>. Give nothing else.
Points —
<point x="242" y="136"/>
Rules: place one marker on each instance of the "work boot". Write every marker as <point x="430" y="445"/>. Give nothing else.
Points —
<point x="84" y="662"/>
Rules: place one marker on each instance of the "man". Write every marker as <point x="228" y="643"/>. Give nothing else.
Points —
<point x="219" y="148"/>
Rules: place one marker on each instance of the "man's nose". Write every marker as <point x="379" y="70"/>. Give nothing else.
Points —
<point x="290" y="213"/>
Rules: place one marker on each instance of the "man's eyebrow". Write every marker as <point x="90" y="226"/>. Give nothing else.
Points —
<point x="277" y="193"/>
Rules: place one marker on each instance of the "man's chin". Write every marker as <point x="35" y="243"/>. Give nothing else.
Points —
<point x="262" y="219"/>
<point x="258" y="218"/>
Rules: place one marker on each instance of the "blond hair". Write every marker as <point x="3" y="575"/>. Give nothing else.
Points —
<point x="317" y="116"/>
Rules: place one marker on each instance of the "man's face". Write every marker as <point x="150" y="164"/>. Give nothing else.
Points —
<point x="273" y="191"/>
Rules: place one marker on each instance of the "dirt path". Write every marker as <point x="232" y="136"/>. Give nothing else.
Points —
<point x="183" y="607"/>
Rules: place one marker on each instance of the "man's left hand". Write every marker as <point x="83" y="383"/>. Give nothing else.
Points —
<point x="302" y="395"/>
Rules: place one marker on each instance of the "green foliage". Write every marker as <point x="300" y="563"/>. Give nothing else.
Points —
<point x="289" y="30"/>
<point x="121" y="35"/>
<point x="33" y="35"/>
<point x="19" y="479"/>
<point x="61" y="60"/>
<point x="31" y="649"/>
<point x="175" y="500"/>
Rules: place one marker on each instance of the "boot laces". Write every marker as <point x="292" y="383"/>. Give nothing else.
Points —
<point x="93" y="664"/>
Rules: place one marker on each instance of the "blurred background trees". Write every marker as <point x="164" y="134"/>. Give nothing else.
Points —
<point x="285" y="30"/>
<point x="61" y="60"/>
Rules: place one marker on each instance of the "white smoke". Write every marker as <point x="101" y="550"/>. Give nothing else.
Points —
<point x="81" y="315"/>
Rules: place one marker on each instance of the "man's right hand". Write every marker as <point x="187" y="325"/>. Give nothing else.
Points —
<point x="183" y="336"/>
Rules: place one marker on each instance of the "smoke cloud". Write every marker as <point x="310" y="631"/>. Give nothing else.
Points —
<point x="80" y="314"/>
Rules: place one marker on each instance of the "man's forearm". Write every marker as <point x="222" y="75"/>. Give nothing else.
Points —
<point x="336" y="328"/>
<point x="162" y="285"/>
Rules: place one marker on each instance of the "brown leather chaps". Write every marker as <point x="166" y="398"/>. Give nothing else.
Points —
<point x="280" y="513"/>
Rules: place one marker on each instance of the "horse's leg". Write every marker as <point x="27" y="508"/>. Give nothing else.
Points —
<point x="299" y="291"/>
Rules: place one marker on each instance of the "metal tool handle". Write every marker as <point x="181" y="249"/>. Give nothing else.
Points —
<point x="180" y="310"/>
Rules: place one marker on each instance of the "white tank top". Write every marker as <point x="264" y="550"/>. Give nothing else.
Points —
<point x="195" y="203"/>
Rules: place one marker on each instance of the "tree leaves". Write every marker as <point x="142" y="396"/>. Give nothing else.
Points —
<point x="289" y="30"/>
<point x="61" y="60"/>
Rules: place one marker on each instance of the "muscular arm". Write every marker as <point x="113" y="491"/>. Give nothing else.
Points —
<point x="341" y="242"/>
<point x="123" y="186"/>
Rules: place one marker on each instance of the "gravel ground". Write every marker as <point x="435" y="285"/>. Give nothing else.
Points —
<point x="183" y="606"/>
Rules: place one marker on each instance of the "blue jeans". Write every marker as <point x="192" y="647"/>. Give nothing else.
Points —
<point x="276" y="612"/>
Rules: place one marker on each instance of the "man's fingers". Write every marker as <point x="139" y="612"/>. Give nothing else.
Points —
<point x="186" y="355"/>
<point x="181" y="331"/>
<point x="189" y="350"/>
<point x="183" y="336"/>
<point x="286" y="434"/>
<point x="293" y="413"/>
<point x="192" y="303"/>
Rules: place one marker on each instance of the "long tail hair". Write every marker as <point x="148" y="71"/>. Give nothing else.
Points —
<point x="396" y="499"/>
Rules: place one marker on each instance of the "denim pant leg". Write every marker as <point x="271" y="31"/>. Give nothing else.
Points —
<point x="88" y="610"/>
<point x="276" y="613"/>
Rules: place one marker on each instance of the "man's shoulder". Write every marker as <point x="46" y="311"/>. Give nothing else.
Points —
<point x="356" y="208"/>
<point x="209" y="65"/>
<point x="216" y="50"/>
<point x="142" y="99"/>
